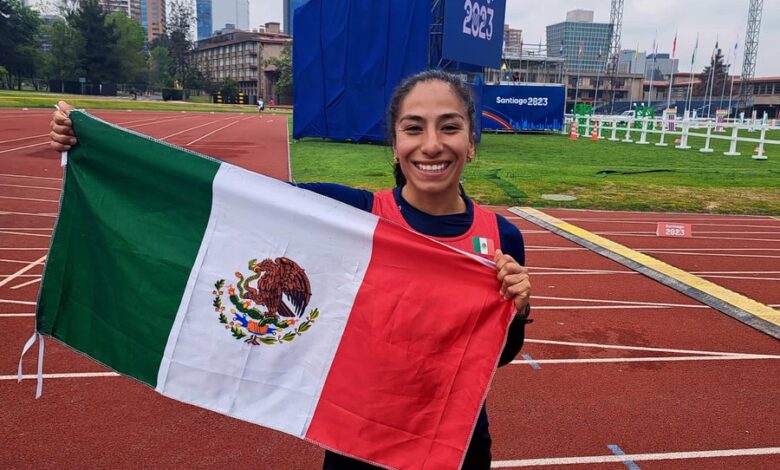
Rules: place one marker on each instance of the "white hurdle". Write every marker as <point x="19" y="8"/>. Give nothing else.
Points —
<point x="614" y="131"/>
<point x="733" y="145"/>
<point x="643" y="137"/>
<point x="760" y="155"/>
<point x="707" y="139"/>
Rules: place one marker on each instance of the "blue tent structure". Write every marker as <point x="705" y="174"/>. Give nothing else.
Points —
<point x="348" y="57"/>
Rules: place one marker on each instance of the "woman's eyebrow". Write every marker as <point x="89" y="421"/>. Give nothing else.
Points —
<point x="447" y="116"/>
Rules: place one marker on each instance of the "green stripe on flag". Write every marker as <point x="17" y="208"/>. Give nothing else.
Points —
<point x="132" y="217"/>
<point x="476" y="242"/>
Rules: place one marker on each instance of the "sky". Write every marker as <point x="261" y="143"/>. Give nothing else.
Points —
<point x="724" y="21"/>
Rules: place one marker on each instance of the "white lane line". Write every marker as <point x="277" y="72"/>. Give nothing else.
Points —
<point x="592" y="459"/>
<point x="2" y="315"/>
<point x="30" y="199"/>
<point x="25" y="147"/>
<point x="752" y="278"/>
<point x="192" y="128"/>
<point x="11" y="175"/>
<point x="27" y="187"/>
<point x="621" y="302"/>
<point x="74" y="375"/>
<point x="612" y="360"/>
<point x="217" y="130"/>
<point x="24" y="284"/>
<point x="609" y="307"/>
<point x="587" y="273"/>
<point x="5" y="248"/>
<point x="637" y="348"/>
<point x="718" y="232"/>
<point x="8" y="232"/>
<point x="721" y="255"/>
<point x="26" y="228"/>
<point x="728" y="250"/>
<point x="17" y="261"/>
<point x="23" y="138"/>
<point x="740" y="239"/>
<point x="129" y="127"/>
<point x="32" y="214"/>
<point x="535" y="270"/>
<point x="22" y="271"/>
<point x="20" y="302"/>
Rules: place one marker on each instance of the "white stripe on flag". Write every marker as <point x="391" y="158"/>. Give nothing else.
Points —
<point x="255" y="217"/>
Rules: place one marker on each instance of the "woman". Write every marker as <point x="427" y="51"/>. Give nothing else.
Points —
<point x="431" y="124"/>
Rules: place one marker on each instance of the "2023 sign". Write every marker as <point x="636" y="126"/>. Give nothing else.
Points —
<point x="479" y="20"/>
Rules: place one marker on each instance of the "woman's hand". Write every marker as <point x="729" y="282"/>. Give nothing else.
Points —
<point x="62" y="136"/>
<point x="515" y="283"/>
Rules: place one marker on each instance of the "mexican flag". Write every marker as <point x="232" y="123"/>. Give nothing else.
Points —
<point x="250" y="297"/>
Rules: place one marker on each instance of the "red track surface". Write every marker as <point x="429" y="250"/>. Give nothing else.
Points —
<point x="575" y="408"/>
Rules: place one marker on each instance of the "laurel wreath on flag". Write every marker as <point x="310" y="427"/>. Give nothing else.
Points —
<point x="238" y="325"/>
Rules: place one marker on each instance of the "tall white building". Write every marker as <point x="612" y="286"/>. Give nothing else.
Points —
<point x="235" y="12"/>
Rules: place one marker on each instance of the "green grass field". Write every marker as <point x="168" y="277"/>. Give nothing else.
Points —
<point x="520" y="169"/>
<point x="16" y="99"/>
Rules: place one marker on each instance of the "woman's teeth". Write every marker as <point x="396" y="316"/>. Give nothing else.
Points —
<point x="430" y="167"/>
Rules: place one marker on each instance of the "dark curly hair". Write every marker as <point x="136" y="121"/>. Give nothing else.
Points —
<point x="461" y="90"/>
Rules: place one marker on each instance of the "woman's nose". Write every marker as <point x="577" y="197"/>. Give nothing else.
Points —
<point x="432" y="144"/>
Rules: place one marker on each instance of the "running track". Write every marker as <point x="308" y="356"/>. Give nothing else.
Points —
<point x="615" y="363"/>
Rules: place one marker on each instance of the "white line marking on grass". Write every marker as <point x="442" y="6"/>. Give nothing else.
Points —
<point x="25" y="147"/>
<point x="24" y="284"/>
<point x="22" y="271"/>
<point x="6" y="315"/>
<point x="621" y="302"/>
<point x="75" y="375"/>
<point x="30" y="199"/>
<point x="594" y="459"/>
<point x="11" y="175"/>
<point x="23" y="138"/>
<point x="637" y="348"/>
<point x="8" y="232"/>
<point x="216" y="130"/>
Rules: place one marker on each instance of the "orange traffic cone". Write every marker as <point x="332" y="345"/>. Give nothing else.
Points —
<point x="573" y="134"/>
<point x="594" y="134"/>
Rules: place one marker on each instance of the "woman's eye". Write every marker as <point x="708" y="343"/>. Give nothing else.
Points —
<point x="412" y="129"/>
<point x="451" y="128"/>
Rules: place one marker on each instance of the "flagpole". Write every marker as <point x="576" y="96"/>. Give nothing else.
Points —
<point x="652" y="72"/>
<point x="671" y="74"/>
<point x="731" y="77"/>
<point x="689" y="95"/>
<point x="714" y="58"/>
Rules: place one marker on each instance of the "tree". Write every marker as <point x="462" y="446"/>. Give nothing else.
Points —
<point x="98" y="57"/>
<point x="229" y="91"/>
<point x="65" y="46"/>
<point x="159" y="67"/>
<point x="129" y="47"/>
<point x="713" y="76"/>
<point x="283" y="65"/>
<point x="180" y="19"/>
<point x="19" y="26"/>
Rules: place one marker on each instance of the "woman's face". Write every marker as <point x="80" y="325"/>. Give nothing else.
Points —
<point x="432" y="141"/>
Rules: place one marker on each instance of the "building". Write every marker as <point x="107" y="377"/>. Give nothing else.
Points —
<point x="243" y="56"/>
<point x="583" y="44"/>
<point x="632" y="61"/>
<point x="234" y="12"/>
<point x="661" y="66"/>
<point x="151" y="17"/>
<point x="289" y="8"/>
<point x="205" y="23"/>
<point x="513" y="39"/>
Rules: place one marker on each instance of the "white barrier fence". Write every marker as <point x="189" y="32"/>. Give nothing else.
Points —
<point x="621" y="128"/>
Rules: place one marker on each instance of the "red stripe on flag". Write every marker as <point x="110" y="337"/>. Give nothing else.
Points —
<point x="419" y="350"/>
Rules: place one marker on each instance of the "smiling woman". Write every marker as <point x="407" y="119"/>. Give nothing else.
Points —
<point x="431" y="128"/>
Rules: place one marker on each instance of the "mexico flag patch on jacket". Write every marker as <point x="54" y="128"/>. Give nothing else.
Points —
<point x="250" y="297"/>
